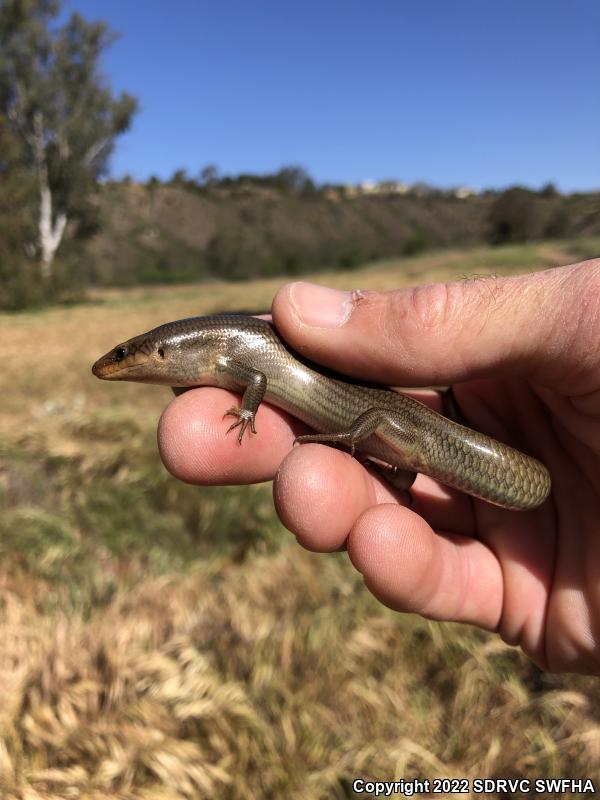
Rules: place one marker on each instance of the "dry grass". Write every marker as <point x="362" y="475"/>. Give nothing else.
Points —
<point x="273" y="678"/>
<point x="162" y="641"/>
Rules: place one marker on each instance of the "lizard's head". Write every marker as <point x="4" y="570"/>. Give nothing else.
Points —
<point x="139" y="359"/>
<point x="159" y="356"/>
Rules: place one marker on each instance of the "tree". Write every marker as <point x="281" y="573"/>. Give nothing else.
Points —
<point x="179" y="177"/>
<point x="293" y="179"/>
<point x="55" y="100"/>
<point x="209" y="175"/>
<point x="549" y="190"/>
<point x="517" y="215"/>
<point x="17" y="226"/>
<point x="16" y="185"/>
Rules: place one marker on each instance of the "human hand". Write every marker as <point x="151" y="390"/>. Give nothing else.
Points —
<point x="523" y="355"/>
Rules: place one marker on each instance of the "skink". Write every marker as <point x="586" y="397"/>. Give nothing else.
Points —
<point x="400" y="434"/>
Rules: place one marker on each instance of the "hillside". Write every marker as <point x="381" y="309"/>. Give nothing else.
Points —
<point x="165" y="233"/>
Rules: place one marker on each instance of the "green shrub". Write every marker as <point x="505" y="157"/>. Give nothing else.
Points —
<point x="415" y="244"/>
<point x="21" y="286"/>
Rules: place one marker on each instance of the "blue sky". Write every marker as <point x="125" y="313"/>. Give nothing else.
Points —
<point x="452" y="92"/>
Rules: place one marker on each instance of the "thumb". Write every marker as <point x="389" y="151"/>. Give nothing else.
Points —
<point x="544" y="326"/>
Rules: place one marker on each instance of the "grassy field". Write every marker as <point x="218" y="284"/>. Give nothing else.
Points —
<point x="167" y="641"/>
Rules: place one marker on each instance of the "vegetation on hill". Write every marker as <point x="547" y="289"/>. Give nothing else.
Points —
<point x="260" y="226"/>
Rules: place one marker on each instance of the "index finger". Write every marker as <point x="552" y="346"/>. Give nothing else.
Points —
<point x="195" y="447"/>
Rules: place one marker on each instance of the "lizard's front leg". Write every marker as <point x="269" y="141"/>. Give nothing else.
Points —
<point x="256" y="385"/>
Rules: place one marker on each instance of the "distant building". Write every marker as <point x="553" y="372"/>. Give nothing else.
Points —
<point x="393" y="187"/>
<point x="462" y="192"/>
<point x="418" y="189"/>
<point x="368" y="187"/>
<point x="376" y="187"/>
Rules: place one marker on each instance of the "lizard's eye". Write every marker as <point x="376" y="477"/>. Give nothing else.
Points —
<point x="120" y="353"/>
<point x="161" y="352"/>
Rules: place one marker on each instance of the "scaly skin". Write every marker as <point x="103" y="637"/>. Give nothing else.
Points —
<point x="246" y="354"/>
